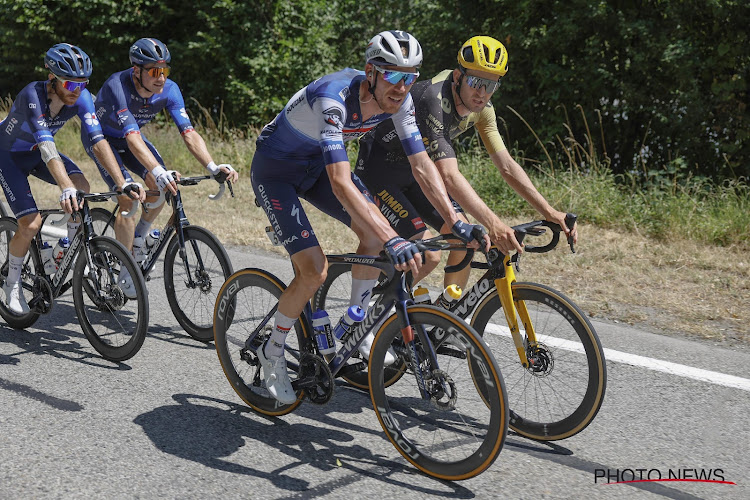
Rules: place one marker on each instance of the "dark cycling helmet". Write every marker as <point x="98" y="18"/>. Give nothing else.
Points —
<point x="394" y="48"/>
<point x="149" y="50"/>
<point x="68" y="61"/>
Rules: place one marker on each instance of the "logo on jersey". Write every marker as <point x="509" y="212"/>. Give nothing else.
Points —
<point x="11" y="125"/>
<point x="32" y="105"/>
<point x="295" y="213"/>
<point x="183" y="113"/>
<point x="305" y="234"/>
<point x="334" y="117"/>
<point x="90" y="119"/>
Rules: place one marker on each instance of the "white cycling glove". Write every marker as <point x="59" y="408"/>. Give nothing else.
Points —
<point x="163" y="178"/>
<point x="68" y="193"/>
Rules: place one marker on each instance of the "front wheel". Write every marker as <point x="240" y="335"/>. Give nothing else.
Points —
<point x="560" y="393"/>
<point x="192" y="280"/>
<point x="242" y="319"/>
<point x="114" y="324"/>
<point x="8" y="227"/>
<point x="449" y="430"/>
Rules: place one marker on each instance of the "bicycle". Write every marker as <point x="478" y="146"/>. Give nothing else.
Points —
<point x="114" y="325"/>
<point x="449" y="419"/>
<point x="552" y="359"/>
<point x="203" y="260"/>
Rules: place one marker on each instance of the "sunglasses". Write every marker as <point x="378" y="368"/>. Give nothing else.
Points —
<point x="477" y="82"/>
<point x="393" y="77"/>
<point x="157" y="72"/>
<point x="72" y="86"/>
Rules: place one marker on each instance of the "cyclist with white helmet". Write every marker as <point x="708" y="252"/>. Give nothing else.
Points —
<point x="448" y="105"/>
<point x="301" y="154"/>
<point x="127" y="101"/>
<point x="27" y="147"/>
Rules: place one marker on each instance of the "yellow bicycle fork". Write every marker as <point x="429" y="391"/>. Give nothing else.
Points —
<point x="514" y="310"/>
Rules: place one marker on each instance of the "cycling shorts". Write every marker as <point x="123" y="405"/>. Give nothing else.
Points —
<point x="15" y="168"/>
<point x="126" y="159"/>
<point x="279" y="185"/>
<point x="396" y="192"/>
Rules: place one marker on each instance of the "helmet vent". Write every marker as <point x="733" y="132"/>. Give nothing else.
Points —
<point x="468" y="54"/>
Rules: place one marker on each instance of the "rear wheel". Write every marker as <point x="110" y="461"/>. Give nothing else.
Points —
<point x="29" y="280"/>
<point x="114" y="324"/>
<point x="103" y="222"/>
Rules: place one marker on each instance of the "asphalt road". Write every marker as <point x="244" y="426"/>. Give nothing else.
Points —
<point x="167" y="424"/>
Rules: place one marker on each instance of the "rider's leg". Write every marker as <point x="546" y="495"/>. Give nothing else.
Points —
<point x="460" y="278"/>
<point x="147" y="219"/>
<point x="125" y="227"/>
<point x="81" y="184"/>
<point x="28" y="227"/>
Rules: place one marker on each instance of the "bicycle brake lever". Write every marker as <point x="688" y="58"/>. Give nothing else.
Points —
<point x="570" y="221"/>
<point x="231" y="189"/>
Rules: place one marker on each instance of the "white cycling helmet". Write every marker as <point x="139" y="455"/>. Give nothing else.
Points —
<point x="394" y="48"/>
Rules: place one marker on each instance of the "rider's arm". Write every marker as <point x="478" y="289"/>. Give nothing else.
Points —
<point x="141" y="152"/>
<point x="459" y="188"/>
<point x="517" y="178"/>
<point x="356" y="205"/>
<point x="432" y="185"/>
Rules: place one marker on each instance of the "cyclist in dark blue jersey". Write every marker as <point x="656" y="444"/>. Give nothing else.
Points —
<point x="27" y="147"/>
<point x="132" y="98"/>
<point x="301" y="154"/>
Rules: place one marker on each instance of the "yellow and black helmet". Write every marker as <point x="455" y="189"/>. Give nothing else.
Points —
<point x="484" y="53"/>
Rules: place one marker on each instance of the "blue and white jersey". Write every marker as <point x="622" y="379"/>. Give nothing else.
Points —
<point x="29" y="122"/>
<point x="322" y="116"/>
<point x="122" y="111"/>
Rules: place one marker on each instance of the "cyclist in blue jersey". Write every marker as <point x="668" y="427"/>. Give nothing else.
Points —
<point x="27" y="147"/>
<point x="130" y="99"/>
<point x="301" y="154"/>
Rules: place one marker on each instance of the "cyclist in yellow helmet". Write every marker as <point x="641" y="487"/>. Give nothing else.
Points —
<point x="451" y="103"/>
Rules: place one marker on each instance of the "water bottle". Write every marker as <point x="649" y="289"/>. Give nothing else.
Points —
<point x="323" y="334"/>
<point x="351" y="317"/>
<point x="448" y="297"/>
<point x="59" y="251"/>
<point x="421" y="295"/>
<point x="139" y="248"/>
<point x="50" y="267"/>
<point x="152" y="238"/>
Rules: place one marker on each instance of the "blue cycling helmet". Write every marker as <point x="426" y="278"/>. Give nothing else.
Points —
<point x="149" y="50"/>
<point x="68" y="61"/>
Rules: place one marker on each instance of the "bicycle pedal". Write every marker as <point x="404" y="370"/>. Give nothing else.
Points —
<point x="352" y="368"/>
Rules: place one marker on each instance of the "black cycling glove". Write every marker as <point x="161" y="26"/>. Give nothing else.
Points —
<point x="400" y="250"/>
<point x="467" y="232"/>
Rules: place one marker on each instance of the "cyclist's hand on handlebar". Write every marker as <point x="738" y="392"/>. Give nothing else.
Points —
<point x="403" y="254"/>
<point x="559" y="219"/>
<point x="69" y="200"/>
<point x="222" y="173"/>
<point x="473" y="234"/>
<point x="134" y="191"/>
<point x="165" y="179"/>
<point x="504" y="238"/>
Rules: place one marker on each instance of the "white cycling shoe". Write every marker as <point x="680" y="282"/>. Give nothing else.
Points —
<point x="366" y="345"/>
<point x="126" y="284"/>
<point x="276" y="377"/>
<point x="14" y="299"/>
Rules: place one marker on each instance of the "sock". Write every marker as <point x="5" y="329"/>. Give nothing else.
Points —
<point x="275" y="345"/>
<point x="72" y="230"/>
<point x="15" y="264"/>
<point x="142" y="227"/>
<point x="361" y="292"/>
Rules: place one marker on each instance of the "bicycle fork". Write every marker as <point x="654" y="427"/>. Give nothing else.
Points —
<point x="514" y="309"/>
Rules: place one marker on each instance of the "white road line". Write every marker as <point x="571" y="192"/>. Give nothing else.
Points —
<point x="642" y="361"/>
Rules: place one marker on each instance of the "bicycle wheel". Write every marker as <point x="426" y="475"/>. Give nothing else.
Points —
<point x="192" y="281"/>
<point x="457" y="432"/>
<point x="334" y="296"/>
<point x="8" y="227"/>
<point x="244" y="300"/>
<point x="115" y="325"/>
<point x="103" y="222"/>
<point x="563" y="392"/>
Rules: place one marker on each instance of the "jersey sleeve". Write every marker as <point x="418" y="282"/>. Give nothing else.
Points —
<point x="35" y="119"/>
<point x="176" y="108"/>
<point x="89" y="122"/>
<point x="431" y="120"/>
<point x="406" y="127"/>
<point x="332" y="116"/>
<point x="487" y="128"/>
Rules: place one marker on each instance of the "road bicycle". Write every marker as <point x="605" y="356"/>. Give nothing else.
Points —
<point x="114" y="324"/>
<point x="195" y="262"/>
<point x="547" y="349"/>
<point x="443" y="409"/>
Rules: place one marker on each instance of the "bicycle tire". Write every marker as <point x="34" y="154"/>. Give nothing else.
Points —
<point x="114" y="325"/>
<point x="564" y="398"/>
<point x="245" y="298"/>
<point x="8" y="227"/>
<point x="333" y="296"/>
<point x="194" y="307"/>
<point x="103" y="223"/>
<point x="436" y="436"/>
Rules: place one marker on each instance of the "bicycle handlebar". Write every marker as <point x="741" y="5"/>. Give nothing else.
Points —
<point x="95" y="197"/>
<point x="191" y="181"/>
